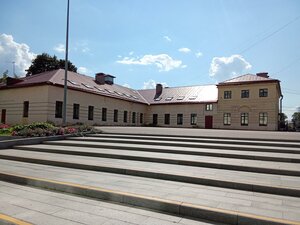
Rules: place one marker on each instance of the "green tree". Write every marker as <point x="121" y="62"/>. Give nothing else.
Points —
<point x="282" y="121"/>
<point x="296" y="119"/>
<point x="4" y="76"/>
<point x="45" y="62"/>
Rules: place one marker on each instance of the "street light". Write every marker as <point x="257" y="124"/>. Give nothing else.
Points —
<point x="66" y="69"/>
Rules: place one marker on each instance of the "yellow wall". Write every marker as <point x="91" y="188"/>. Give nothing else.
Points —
<point x="12" y="100"/>
<point x="185" y="109"/>
<point x="252" y="105"/>
<point x="85" y="100"/>
<point x="42" y="101"/>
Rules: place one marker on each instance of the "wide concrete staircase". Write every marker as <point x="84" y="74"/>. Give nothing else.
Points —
<point x="232" y="181"/>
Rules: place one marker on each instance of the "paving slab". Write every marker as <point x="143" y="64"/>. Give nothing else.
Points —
<point x="192" y="132"/>
<point x="200" y="139"/>
<point x="259" y="166"/>
<point x="191" y="174"/>
<point x="188" y="144"/>
<point x="242" y="201"/>
<point x="253" y="155"/>
<point x="76" y="210"/>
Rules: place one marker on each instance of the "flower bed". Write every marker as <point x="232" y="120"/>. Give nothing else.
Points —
<point x="41" y="130"/>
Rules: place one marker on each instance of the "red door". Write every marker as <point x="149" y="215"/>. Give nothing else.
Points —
<point x="208" y="122"/>
<point x="3" y="116"/>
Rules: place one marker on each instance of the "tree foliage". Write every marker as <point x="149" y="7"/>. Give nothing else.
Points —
<point x="4" y="76"/>
<point x="296" y="119"/>
<point x="45" y="62"/>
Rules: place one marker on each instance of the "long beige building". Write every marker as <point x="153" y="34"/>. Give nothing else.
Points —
<point x="249" y="102"/>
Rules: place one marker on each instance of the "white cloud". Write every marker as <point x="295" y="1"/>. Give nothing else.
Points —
<point x="222" y="68"/>
<point x="60" y="48"/>
<point x="131" y="53"/>
<point x="163" y="61"/>
<point x="126" y="85"/>
<point x="167" y="38"/>
<point x="82" y="70"/>
<point x="11" y="51"/>
<point x="151" y="84"/>
<point x="199" y="54"/>
<point x="184" y="50"/>
<point x="85" y="50"/>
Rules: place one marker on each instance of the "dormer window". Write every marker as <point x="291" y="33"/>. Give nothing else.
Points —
<point x="193" y="97"/>
<point x="169" y="98"/>
<point x="87" y="86"/>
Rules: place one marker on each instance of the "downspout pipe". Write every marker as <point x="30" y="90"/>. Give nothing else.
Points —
<point x="280" y="104"/>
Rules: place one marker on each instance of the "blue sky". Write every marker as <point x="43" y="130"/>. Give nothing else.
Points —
<point x="175" y="42"/>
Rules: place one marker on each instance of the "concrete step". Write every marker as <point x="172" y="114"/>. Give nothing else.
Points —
<point x="289" y="169"/>
<point x="244" y="147"/>
<point x="215" y="204"/>
<point x="257" y="182"/>
<point x="218" y="140"/>
<point x="38" y="206"/>
<point x="204" y="150"/>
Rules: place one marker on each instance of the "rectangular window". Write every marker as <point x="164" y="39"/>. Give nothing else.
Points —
<point x="91" y="113"/>
<point x="76" y="111"/>
<point x="227" y="119"/>
<point x="227" y="94"/>
<point x="193" y="119"/>
<point x="104" y="114"/>
<point x="245" y="94"/>
<point x="25" y="108"/>
<point x="141" y="118"/>
<point x="133" y="117"/>
<point x="125" y="116"/>
<point x="3" y="116"/>
<point x="167" y="119"/>
<point x="208" y="107"/>
<point x="58" y="109"/>
<point x="155" y="119"/>
<point x="244" y="119"/>
<point x="179" y="119"/>
<point x="263" y="92"/>
<point x="115" y="115"/>
<point x="263" y="119"/>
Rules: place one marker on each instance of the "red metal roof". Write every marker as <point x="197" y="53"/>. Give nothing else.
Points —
<point x="191" y="94"/>
<point x="247" y="78"/>
<point x="79" y="82"/>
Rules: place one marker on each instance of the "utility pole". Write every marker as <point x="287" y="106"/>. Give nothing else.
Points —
<point x="66" y="69"/>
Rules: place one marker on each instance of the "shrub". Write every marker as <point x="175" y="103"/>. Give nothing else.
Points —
<point x="46" y="129"/>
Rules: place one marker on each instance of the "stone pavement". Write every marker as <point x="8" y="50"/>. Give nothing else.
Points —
<point x="218" y="133"/>
<point x="38" y="206"/>
<point x="249" y="179"/>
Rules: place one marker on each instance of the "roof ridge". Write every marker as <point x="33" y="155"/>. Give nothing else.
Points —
<point x="233" y="78"/>
<point x="180" y="87"/>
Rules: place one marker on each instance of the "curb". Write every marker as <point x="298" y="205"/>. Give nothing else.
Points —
<point x="169" y="206"/>
<point x="8" y="220"/>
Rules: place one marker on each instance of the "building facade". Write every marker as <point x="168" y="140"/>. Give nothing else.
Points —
<point x="250" y="102"/>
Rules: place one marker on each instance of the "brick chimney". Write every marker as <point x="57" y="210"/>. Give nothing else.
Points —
<point x="263" y="74"/>
<point x="159" y="89"/>
<point x="102" y="78"/>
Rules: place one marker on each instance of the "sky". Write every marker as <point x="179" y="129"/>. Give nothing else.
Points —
<point x="173" y="42"/>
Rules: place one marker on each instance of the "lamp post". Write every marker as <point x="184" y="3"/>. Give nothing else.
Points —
<point x="66" y="69"/>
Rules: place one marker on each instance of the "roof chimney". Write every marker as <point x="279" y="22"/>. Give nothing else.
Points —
<point x="263" y="74"/>
<point x="159" y="89"/>
<point x="102" y="78"/>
